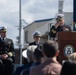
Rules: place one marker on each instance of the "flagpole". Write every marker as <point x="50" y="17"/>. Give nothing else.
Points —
<point x="20" y="48"/>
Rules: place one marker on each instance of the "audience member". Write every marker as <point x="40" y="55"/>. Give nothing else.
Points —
<point x="28" y="54"/>
<point x="72" y="57"/>
<point x="51" y="66"/>
<point x="37" y="58"/>
<point x="69" y="66"/>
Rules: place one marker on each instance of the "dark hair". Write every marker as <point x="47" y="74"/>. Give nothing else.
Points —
<point x="50" y="48"/>
<point x="38" y="54"/>
<point x="68" y="68"/>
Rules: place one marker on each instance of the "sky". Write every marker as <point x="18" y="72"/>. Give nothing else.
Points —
<point x="31" y="10"/>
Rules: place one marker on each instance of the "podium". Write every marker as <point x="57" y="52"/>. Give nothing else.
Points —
<point x="67" y="44"/>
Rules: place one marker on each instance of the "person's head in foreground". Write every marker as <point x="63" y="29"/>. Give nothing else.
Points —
<point x="69" y="66"/>
<point x="50" y="49"/>
<point x="72" y="57"/>
<point x="28" y="54"/>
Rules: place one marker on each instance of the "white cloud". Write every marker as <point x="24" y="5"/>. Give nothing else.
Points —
<point x="68" y="5"/>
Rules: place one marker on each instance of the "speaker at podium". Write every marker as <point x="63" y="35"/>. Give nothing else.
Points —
<point x="67" y="44"/>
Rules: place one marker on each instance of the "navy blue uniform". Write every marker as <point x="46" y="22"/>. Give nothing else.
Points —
<point x="53" y="30"/>
<point x="6" y="47"/>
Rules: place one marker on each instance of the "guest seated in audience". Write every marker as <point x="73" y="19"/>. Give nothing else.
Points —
<point x="69" y="67"/>
<point x="37" y="58"/>
<point x="50" y="66"/>
<point x="72" y="57"/>
<point x="29" y="56"/>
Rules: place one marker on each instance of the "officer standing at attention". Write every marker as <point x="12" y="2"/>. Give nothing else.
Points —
<point x="59" y="26"/>
<point x="6" y="53"/>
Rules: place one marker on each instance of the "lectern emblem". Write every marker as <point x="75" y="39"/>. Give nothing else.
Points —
<point x="68" y="49"/>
